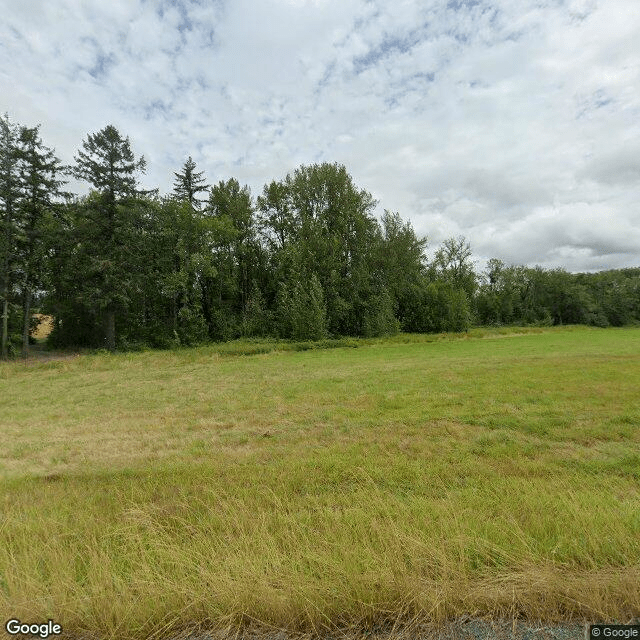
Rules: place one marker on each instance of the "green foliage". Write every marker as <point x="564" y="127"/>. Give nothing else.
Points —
<point x="453" y="265"/>
<point x="306" y="260"/>
<point x="402" y="263"/>
<point x="236" y="255"/>
<point x="40" y="187"/>
<point x="107" y="162"/>
<point x="521" y="295"/>
<point x="616" y="295"/>
<point x="439" y="296"/>
<point x="317" y="220"/>
<point x="275" y="215"/>
<point x="189" y="184"/>
<point x="29" y="185"/>
<point x="111" y="226"/>
<point x="9" y="224"/>
<point x="192" y="326"/>
<point x="500" y="295"/>
<point x="378" y="317"/>
<point x="301" y="309"/>
<point x="256" y="318"/>
<point x="439" y="307"/>
<point x="183" y="259"/>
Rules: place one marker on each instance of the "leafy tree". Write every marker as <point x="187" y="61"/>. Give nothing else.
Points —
<point x="308" y="260"/>
<point x="448" y="290"/>
<point x="516" y="294"/>
<point x="452" y="264"/>
<point x="378" y="317"/>
<point x="329" y="221"/>
<point x="500" y="297"/>
<point x="567" y="300"/>
<point x="301" y="310"/>
<point x="189" y="183"/>
<point x="616" y="295"/>
<point x="275" y="215"/>
<point x="237" y="256"/>
<point x="402" y="262"/>
<point x="183" y="259"/>
<point x="439" y="307"/>
<point x="256" y="320"/>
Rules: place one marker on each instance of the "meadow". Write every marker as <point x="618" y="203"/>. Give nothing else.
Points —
<point x="268" y="486"/>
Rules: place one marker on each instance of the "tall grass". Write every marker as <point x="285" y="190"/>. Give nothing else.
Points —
<point x="405" y="481"/>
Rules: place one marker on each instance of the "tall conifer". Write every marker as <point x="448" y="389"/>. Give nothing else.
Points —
<point x="40" y="186"/>
<point x="107" y="162"/>
<point x="189" y="183"/>
<point x="9" y="227"/>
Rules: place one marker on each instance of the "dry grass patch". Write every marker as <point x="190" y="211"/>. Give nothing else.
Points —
<point x="45" y="326"/>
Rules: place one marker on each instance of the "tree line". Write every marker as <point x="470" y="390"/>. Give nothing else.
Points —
<point x="307" y="259"/>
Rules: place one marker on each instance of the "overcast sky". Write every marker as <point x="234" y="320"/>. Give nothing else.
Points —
<point x="515" y="123"/>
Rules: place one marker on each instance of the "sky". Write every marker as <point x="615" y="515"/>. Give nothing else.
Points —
<point x="513" y="123"/>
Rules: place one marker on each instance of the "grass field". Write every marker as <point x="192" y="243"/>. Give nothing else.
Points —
<point x="411" y="479"/>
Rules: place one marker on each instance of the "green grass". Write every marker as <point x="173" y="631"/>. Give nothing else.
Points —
<point x="410" y="479"/>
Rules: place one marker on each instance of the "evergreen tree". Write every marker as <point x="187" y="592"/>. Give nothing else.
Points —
<point x="183" y="260"/>
<point x="107" y="162"/>
<point x="189" y="183"/>
<point x="9" y="224"/>
<point x="40" y="185"/>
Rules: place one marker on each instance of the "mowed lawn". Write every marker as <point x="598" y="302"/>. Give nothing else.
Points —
<point x="412" y="479"/>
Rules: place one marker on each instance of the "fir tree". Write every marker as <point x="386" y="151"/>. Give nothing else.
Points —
<point x="189" y="183"/>
<point x="9" y="227"/>
<point x="108" y="164"/>
<point x="39" y="185"/>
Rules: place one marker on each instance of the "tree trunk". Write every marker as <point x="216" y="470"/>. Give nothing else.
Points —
<point x="27" y="323"/>
<point x="4" y="339"/>
<point x="4" y="353"/>
<point x="111" y="329"/>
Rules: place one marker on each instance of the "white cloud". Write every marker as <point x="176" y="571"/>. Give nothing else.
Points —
<point x="515" y="123"/>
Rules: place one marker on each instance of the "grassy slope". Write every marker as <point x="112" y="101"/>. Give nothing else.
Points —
<point x="407" y="478"/>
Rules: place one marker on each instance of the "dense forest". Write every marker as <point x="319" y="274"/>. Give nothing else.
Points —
<point x="307" y="259"/>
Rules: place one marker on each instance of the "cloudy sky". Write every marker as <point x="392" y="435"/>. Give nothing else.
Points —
<point x="515" y="123"/>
